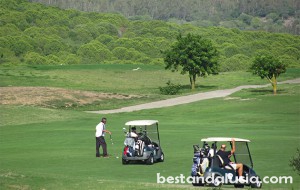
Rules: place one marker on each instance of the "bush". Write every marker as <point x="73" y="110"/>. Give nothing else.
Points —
<point x="295" y="162"/>
<point x="94" y="52"/>
<point x="33" y="58"/>
<point x="170" y="89"/>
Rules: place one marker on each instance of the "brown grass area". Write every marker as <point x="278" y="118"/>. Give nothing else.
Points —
<point x="43" y="95"/>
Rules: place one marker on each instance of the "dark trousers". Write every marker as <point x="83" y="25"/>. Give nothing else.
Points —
<point x="100" y="141"/>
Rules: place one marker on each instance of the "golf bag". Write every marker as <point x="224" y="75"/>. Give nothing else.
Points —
<point x="200" y="161"/>
<point x="129" y="149"/>
<point x="139" y="147"/>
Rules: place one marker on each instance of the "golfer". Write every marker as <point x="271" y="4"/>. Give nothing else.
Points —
<point x="100" y="141"/>
<point x="225" y="155"/>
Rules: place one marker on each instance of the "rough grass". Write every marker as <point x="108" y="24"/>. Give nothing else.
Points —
<point x="118" y="80"/>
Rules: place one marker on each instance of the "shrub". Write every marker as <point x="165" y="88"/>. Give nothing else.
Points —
<point x="170" y="89"/>
<point x="295" y="162"/>
<point x="33" y="58"/>
<point x="94" y="52"/>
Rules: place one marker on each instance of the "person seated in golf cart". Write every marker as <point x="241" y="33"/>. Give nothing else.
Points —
<point x="212" y="150"/>
<point x="136" y="142"/>
<point x="133" y="133"/>
<point x="131" y="142"/>
<point x="225" y="156"/>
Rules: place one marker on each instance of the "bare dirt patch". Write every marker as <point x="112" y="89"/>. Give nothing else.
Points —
<point x="43" y="96"/>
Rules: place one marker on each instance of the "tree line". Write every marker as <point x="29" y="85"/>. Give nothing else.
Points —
<point x="267" y="15"/>
<point x="33" y="33"/>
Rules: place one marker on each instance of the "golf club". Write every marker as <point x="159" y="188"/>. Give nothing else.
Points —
<point x="112" y="143"/>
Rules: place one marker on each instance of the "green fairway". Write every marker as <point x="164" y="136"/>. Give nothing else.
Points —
<point x="55" y="149"/>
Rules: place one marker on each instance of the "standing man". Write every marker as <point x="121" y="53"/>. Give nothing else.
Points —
<point x="100" y="141"/>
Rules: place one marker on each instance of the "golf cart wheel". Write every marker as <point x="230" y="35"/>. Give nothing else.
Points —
<point x="256" y="184"/>
<point x="239" y="186"/>
<point x="124" y="162"/>
<point x="150" y="160"/>
<point x="217" y="182"/>
<point x="198" y="184"/>
<point x="162" y="157"/>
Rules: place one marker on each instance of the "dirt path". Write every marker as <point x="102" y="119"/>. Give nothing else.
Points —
<point x="188" y="98"/>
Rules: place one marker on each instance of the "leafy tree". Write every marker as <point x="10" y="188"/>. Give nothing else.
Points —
<point x="193" y="55"/>
<point x="105" y="39"/>
<point x="7" y="56"/>
<point x="127" y="54"/>
<point x="230" y="49"/>
<point x="107" y="28"/>
<point x="81" y="34"/>
<point x="267" y="66"/>
<point x="72" y="59"/>
<point x="165" y="32"/>
<point x="20" y="46"/>
<point x="125" y="42"/>
<point x="54" y="45"/>
<point x="295" y="162"/>
<point x="9" y="29"/>
<point x="237" y="62"/>
<point x="34" y="59"/>
<point x="67" y="59"/>
<point x="53" y="60"/>
<point x="245" y="18"/>
<point x="94" y="52"/>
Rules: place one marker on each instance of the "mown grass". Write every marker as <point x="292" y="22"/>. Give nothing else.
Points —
<point x="55" y="149"/>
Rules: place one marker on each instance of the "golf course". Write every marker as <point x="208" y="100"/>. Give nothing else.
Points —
<point x="47" y="137"/>
<point x="190" y="69"/>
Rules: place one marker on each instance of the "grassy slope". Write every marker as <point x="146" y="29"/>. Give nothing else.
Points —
<point x="121" y="79"/>
<point x="58" y="152"/>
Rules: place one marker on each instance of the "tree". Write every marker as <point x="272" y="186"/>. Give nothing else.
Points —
<point x="295" y="162"/>
<point x="94" y="52"/>
<point x="267" y="66"/>
<point x="193" y="55"/>
<point x="33" y="58"/>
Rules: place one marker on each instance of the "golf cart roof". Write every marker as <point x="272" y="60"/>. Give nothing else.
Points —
<point x="141" y="122"/>
<point x="224" y="139"/>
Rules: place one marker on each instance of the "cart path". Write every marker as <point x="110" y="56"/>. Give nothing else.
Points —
<point x="188" y="99"/>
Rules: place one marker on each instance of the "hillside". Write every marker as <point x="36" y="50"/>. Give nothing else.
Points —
<point x="33" y="33"/>
<point x="268" y="15"/>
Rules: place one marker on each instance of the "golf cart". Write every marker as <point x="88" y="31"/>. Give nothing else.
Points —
<point x="142" y="142"/>
<point x="209" y="166"/>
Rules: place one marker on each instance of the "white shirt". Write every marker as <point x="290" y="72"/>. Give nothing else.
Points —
<point x="99" y="129"/>
<point x="211" y="152"/>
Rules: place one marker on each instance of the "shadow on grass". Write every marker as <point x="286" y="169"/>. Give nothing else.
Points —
<point x="266" y="91"/>
<point x="139" y="162"/>
<point x="198" y="87"/>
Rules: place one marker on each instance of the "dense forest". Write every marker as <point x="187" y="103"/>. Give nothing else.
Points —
<point x="32" y="33"/>
<point x="266" y="15"/>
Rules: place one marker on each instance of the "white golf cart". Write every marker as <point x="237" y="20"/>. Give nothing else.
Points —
<point x="142" y="142"/>
<point x="208" y="164"/>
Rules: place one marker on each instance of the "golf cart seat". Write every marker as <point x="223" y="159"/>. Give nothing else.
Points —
<point x="145" y="139"/>
<point x="222" y="165"/>
<point x="129" y="141"/>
